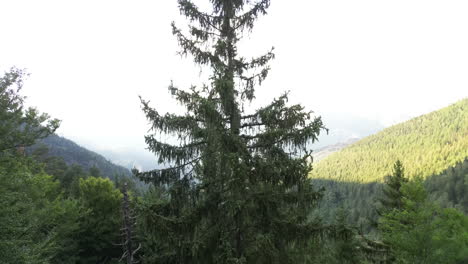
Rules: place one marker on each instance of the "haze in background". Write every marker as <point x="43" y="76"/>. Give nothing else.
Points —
<point x="362" y="65"/>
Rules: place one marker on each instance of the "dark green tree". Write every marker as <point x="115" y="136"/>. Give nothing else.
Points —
<point x="99" y="234"/>
<point x="422" y="232"/>
<point x="20" y="127"/>
<point x="346" y="247"/>
<point x="392" y="195"/>
<point x="36" y="224"/>
<point x="237" y="188"/>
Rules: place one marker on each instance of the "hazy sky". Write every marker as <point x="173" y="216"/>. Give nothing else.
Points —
<point x="379" y="60"/>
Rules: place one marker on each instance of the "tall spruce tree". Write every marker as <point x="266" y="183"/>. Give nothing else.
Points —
<point x="392" y="195"/>
<point x="237" y="190"/>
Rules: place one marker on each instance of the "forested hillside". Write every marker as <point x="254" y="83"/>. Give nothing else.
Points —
<point x="51" y="212"/>
<point x="233" y="184"/>
<point x="72" y="153"/>
<point x="427" y="145"/>
<point x="433" y="146"/>
<point x="450" y="188"/>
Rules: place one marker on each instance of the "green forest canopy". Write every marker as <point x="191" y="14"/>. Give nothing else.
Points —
<point x="426" y="145"/>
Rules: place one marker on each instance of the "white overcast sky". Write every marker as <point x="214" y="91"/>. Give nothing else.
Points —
<point x="90" y="59"/>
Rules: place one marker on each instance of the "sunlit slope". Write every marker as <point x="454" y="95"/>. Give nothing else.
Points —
<point x="426" y="145"/>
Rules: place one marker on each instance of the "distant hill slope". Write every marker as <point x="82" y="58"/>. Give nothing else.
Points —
<point x="426" y="145"/>
<point x="326" y="151"/>
<point x="72" y="153"/>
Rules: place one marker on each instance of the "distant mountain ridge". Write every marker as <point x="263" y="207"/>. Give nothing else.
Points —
<point x="343" y="127"/>
<point x="132" y="158"/>
<point x="72" y="153"/>
<point x="426" y="145"/>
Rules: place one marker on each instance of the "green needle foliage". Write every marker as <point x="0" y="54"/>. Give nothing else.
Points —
<point x="237" y="190"/>
<point x="421" y="232"/>
<point x="393" y="198"/>
<point x="48" y="212"/>
<point x="450" y="188"/>
<point x="20" y="127"/>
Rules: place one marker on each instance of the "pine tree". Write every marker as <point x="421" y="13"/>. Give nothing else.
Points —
<point x="20" y="127"/>
<point x="393" y="197"/>
<point x="422" y="232"/>
<point x="237" y="188"/>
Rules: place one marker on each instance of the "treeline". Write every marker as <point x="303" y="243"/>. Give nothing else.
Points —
<point x="68" y="173"/>
<point x="414" y="219"/>
<point x="416" y="229"/>
<point x="48" y="219"/>
<point x="448" y="189"/>
<point x="427" y="145"/>
<point x="50" y="212"/>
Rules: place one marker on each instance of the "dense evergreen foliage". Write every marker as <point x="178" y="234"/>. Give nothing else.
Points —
<point x="427" y="145"/>
<point x="450" y="188"/>
<point x="392" y="195"/>
<point x="238" y="188"/>
<point x="419" y="231"/>
<point x="35" y="222"/>
<point x="358" y="199"/>
<point x="447" y="189"/>
<point x="50" y="212"/>
<point x="40" y="222"/>
<point x="353" y="178"/>
<point x="20" y="127"/>
<point x="99" y="233"/>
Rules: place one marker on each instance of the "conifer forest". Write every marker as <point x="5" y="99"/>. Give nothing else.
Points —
<point x="233" y="185"/>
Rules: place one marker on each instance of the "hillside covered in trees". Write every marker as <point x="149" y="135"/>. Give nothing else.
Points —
<point x="433" y="147"/>
<point x="450" y="188"/>
<point x="72" y="153"/>
<point x="427" y="145"/>
<point x="50" y="212"/>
